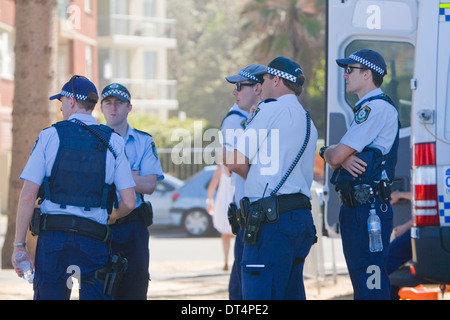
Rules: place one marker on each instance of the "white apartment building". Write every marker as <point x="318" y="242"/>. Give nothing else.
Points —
<point x="134" y="37"/>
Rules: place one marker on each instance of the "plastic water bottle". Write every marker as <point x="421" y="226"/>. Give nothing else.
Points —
<point x="23" y="263"/>
<point x="374" y="227"/>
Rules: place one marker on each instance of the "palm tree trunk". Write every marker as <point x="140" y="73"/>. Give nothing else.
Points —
<point x="34" y="81"/>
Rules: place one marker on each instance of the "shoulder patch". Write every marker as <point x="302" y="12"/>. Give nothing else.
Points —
<point x="154" y="150"/>
<point x="244" y="124"/>
<point x="252" y="117"/>
<point x="362" y="115"/>
<point x="143" y="132"/>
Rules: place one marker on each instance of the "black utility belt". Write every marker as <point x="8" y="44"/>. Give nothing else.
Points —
<point x="284" y="203"/>
<point x="354" y="195"/>
<point x="251" y="215"/>
<point x="69" y="223"/>
<point x="143" y="213"/>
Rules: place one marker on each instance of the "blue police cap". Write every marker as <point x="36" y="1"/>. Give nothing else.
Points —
<point x="77" y="87"/>
<point x="285" y="68"/>
<point x="116" y="90"/>
<point x="252" y="72"/>
<point x="369" y="58"/>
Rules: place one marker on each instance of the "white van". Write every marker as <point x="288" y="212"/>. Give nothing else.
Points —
<point x="413" y="37"/>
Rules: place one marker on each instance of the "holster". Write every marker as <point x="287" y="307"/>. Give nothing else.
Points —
<point x="269" y="209"/>
<point x="245" y="208"/>
<point x="112" y="274"/>
<point x="254" y="219"/>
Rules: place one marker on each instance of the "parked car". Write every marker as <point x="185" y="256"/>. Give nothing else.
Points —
<point x="161" y="199"/>
<point x="189" y="204"/>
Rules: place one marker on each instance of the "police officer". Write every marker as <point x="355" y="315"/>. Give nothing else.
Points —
<point x="130" y="234"/>
<point x="76" y="161"/>
<point x="364" y="163"/>
<point x="247" y="93"/>
<point x="279" y="229"/>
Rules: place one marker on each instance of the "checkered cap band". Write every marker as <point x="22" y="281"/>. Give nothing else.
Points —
<point x="282" y="74"/>
<point x="367" y="63"/>
<point x="116" y="92"/>
<point x="70" y="95"/>
<point x="248" y="75"/>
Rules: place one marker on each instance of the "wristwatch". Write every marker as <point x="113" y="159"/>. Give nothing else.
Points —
<point x="322" y="151"/>
<point x="19" y="244"/>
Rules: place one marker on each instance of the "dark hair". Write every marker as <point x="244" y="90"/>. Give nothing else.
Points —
<point x="296" y="87"/>
<point x="90" y="103"/>
<point x="377" y="79"/>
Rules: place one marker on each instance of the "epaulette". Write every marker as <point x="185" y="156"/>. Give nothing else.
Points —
<point x="143" y="132"/>
<point x="267" y="101"/>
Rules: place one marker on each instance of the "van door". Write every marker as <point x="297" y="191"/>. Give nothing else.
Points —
<point x="388" y="27"/>
<point x="443" y="118"/>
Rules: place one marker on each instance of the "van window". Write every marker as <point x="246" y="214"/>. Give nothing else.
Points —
<point x="399" y="57"/>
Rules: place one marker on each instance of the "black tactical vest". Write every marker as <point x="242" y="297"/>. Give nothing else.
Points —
<point x="78" y="174"/>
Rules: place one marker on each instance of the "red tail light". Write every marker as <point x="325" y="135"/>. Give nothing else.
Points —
<point x="425" y="154"/>
<point x="426" y="211"/>
<point x="425" y="206"/>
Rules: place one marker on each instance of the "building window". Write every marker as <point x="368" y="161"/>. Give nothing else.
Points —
<point x="6" y="56"/>
<point x="88" y="59"/>
<point x="88" y="6"/>
<point x="150" y="65"/>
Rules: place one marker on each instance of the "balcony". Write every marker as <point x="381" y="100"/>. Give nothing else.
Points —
<point x="149" y="94"/>
<point x="127" y="30"/>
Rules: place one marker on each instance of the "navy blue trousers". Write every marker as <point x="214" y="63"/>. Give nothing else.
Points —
<point x="272" y="269"/>
<point x="131" y="240"/>
<point x="60" y="255"/>
<point x="367" y="269"/>
<point x="235" y="284"/>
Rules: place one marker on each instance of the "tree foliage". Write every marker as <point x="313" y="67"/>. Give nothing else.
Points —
<point x="218" y="38"/>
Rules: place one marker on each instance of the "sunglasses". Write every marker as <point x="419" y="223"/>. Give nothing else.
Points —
<point x="349" y="69"/>
<point x="239" y="85"/>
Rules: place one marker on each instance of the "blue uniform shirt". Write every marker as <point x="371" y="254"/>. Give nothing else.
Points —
<point x="273" y="138"/>
<point x="141" y="152"/>
<point x="43" y="156"/>
<point x="236" y="123"/>
<point x="375" y="125"/>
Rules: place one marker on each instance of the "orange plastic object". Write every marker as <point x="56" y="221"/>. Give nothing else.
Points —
<point x="418" y="293"/>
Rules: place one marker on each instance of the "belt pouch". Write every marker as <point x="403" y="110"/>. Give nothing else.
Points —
<point x="270" y="208"/>
<point x="233" y="218"/>
<point x="35" y="223"/>
<point x="346" y="194"/>
<point x="147" y="213"/>
<point x="384" y="191"/>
